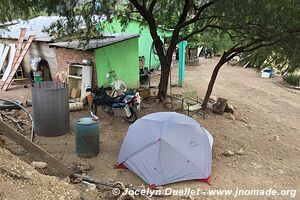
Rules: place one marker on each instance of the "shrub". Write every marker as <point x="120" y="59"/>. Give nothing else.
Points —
<point x="292" y="79"/>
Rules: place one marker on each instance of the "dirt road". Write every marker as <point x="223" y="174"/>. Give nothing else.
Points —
<point x="266" y="135"/>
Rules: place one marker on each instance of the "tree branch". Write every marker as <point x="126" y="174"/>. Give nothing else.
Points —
<point x="140" y="8"/>
<point x="184" y="12"/>
<point x="182" y="23"/>
<point x="196" y="17"/>
<point x="151" y="6"/>
<point x="192" y="33"/>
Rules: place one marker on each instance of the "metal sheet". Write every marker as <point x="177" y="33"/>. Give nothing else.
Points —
<point x="50" y="105"/>
<point x="3" y="57"/>
<point x="1" y="48"/>
<point x="10" y="62"/>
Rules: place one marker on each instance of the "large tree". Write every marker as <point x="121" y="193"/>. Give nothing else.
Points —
<point x="266" y="29"/>
<point x="190" y="17"/>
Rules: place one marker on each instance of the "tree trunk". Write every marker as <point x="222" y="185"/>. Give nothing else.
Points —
<point x="212" y="82"/>
<point x="164" y="78"/>
<point x="165" y="60"/>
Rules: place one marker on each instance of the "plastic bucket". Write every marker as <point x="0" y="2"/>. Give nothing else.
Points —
<point x="38" y="77"/>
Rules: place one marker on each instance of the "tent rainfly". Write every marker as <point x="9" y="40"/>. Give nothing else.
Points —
<point x="167" y="147"/>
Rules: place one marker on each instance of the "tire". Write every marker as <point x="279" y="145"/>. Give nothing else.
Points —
<point x="133" y="117"/>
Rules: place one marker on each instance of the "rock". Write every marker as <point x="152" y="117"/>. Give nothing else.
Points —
<point x="280" y="171"/>
<point x="228" y="153"/>
<point x="240" y="152"/>
<point x="220" y="106"/>
<point x="90" y="186"/>
<point x="244" y="120"/>
<point x="275" y="138"/>
<point x="38" y="165"/>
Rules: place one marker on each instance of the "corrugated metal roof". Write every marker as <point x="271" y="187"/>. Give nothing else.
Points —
<point x="34" y="27"/>
<point x="94" y="43"/>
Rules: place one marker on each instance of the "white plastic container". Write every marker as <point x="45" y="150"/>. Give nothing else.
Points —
<point x="265" y="74"/>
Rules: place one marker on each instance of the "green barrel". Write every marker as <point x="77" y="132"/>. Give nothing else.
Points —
<point x="38" y="77"/>
<point x="87" y="137"/>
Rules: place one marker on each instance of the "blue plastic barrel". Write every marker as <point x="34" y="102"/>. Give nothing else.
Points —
<point x="87" y="137"/>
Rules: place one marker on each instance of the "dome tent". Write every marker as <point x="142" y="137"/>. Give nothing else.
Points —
<point x="167" y="147"/>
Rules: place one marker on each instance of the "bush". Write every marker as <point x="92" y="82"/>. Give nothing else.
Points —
<point x="292" y="79"/>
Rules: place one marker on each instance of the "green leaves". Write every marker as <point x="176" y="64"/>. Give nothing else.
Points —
<point x="269" y="24"/>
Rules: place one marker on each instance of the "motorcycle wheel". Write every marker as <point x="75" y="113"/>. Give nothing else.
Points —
<point x="133" y="117"/>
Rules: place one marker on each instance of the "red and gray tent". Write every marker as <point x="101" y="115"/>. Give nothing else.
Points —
<point x="167" y="147"/>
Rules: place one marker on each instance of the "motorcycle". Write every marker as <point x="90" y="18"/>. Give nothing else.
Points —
<point x="125" y="105"/>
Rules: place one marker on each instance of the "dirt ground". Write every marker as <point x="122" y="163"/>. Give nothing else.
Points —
<point x="264" y="137"/>
<point x="21" y="181"/>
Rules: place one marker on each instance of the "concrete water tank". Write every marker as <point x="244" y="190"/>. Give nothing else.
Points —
<point x="50" y="105"/>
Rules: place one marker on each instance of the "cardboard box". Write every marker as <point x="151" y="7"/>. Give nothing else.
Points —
<point x="75" y="93"/>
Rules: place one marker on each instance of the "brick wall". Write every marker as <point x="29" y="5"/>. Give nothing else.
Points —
<point x="64" y="56"/>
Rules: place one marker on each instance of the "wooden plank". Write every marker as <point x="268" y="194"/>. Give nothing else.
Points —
<point x="3" y="57"/>
<point x="37" y="152"/>
<point x="10" y="62"/>
<point x="17" y="63"/>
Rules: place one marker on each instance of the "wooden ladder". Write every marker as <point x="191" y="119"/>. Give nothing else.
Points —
<point x="19" y="45"/>
<point x="17" y="60"/>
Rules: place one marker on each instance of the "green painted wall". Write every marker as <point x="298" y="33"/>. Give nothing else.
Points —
<point x="121" y="57"/>
<point x="145" y="39"/>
